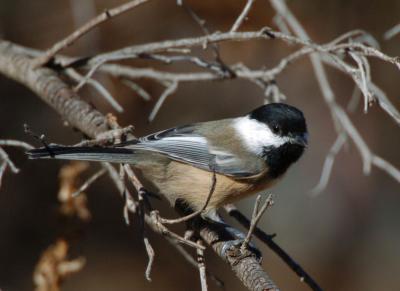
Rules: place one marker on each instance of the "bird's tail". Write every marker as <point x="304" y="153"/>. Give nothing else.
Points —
<point x="99" y="154"/>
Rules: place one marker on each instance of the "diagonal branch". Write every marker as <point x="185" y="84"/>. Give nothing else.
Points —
<point x="242" y="15"/>
<point x="257" y="214"/>
<point x="47" y="84"/>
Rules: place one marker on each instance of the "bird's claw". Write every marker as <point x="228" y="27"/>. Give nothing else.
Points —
<point x="233" y="249"/>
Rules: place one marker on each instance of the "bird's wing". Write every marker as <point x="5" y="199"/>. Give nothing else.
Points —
<point x="184" y="144"/>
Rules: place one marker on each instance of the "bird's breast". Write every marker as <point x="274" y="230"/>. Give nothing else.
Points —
<point x="178" y="180"/>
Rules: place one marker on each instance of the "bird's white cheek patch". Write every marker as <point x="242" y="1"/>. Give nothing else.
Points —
<point x="256" y="135"/>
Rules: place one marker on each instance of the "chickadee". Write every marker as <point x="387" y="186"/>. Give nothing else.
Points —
<point x="247" y="154"/>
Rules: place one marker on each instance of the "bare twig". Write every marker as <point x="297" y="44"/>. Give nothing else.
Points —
<point x="97" y="86"/>
<point x="142" y="215"/>
<point x="151" y="255"/>
<point x="4" y="157"/>
<point x="15" y="143"/>
<point x="192" y="261"/>
<point x="354" y="100"/>
<point x="373" y="89"/>
<point x="138" y="89"/>
<point x="387" y="167"/>
<point x="202" y="24"/>
<point x="328" y="164"/>
<point x="118" y="179"/>
<point x="242" y="16"/>
<point x="3" y="167"/>
<point x="202" y="41"/>
<point x="70" y="39"/>
<point x="257" y="213"/>
<point x="217" y="67"/>
<point x="155" y="218"/>
<point x="168" y="91"/>
<point x="384" y="102"/>
<point x="392" y="32"/>
<point x="89" y="182"/>
<point x="202" y="268"/>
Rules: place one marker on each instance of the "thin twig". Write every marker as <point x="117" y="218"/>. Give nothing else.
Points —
<point x="257" y="214"/>
<point x="88" y="182"/>
<point x="3" y="168"/>
<point x="384" y="102"/>
<point x="202" y="24"/>
<point x="242" y="15"/>
<point x="118" y="179"/>
<point x="155" y="218"/>
<point x="218" y="68"/>
<point x="202" y="41"/>
<point x="392" y="32"/>
<point x="4" y="157"/>
<point x="168" y="91"/>
<point x="192" y="261"/>
<point x="202" y="267"/>
<point x="151" y="255"/>
<point x="97" y="86"/>
<point x="141" y="207"/>
<point x="354" y="100"/>
<point x="387" y="167"/>
<point x="16" y="143"/>
<point x="328" y="164"/>
<point x="138" y="89"/>
<point x="70" y="39"/>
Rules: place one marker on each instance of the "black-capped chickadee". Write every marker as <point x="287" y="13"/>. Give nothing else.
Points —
<point x="247" y="154"/>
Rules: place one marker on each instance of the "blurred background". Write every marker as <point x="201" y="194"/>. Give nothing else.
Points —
<point x="347" y="238"/>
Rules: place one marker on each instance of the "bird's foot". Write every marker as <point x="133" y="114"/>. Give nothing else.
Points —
<point x="235" y="247"/>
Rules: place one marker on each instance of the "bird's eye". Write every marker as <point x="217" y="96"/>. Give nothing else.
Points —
<point x="276" y="128"/>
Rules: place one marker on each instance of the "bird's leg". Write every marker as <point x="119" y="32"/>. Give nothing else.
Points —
<point x="232" y="237"/>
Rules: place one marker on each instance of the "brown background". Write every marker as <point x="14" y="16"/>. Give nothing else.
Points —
<point x="348" y="238"/>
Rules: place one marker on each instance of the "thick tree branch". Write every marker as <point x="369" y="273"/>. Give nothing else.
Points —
<point x="246" y="268"/>
<point x="46" y="84"/>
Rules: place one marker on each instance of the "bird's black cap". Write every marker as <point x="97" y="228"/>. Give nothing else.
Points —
<point x="281" y="118"/>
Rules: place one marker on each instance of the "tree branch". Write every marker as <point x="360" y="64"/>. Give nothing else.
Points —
<point x="46" y="84"/>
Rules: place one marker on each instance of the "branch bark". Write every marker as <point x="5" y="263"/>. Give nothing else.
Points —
<point x="46" y="84"/>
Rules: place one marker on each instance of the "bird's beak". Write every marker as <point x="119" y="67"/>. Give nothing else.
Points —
<point x="301" y="139"/>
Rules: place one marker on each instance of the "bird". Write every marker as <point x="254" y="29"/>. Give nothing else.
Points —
<point x="237" y="157"/>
